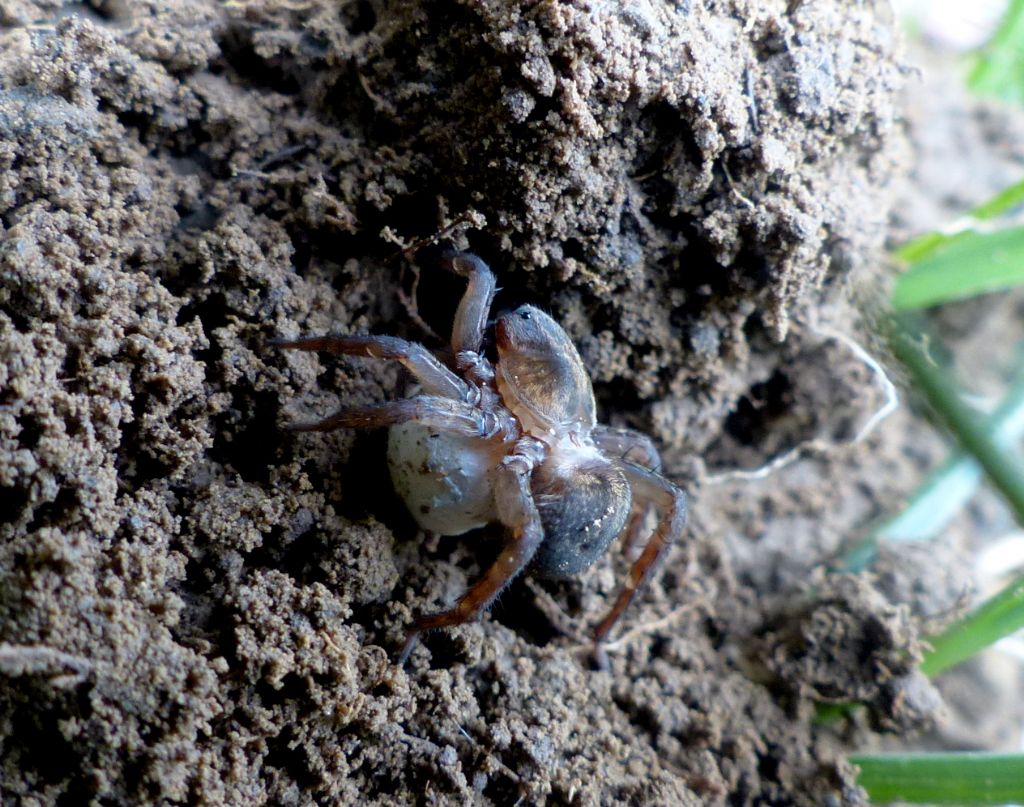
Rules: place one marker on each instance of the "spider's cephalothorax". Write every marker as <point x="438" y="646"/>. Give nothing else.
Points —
<point x="515" y="442"/>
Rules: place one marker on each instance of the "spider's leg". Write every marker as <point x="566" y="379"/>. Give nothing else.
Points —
<point x="471" y="315"/>
<point x="518" y="513"/>
<point x="670" y="502"/>
<point x="634" y="531"/>
<point x="432" y="375"/>
<point x="627" y="445"/>
<point x="440" y="413"/>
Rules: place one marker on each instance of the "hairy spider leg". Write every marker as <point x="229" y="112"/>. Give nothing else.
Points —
<point x="517" y="511"/>
<point x="432" y="375"/>
<point x="438" y="413"/>
<point x="670" y="502"/>
<point x="632" y="446"/>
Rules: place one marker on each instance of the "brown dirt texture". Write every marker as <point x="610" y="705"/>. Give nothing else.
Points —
<point x="198" y="607"/>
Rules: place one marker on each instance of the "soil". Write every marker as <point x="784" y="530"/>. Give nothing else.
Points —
<point x="197" y="606"/>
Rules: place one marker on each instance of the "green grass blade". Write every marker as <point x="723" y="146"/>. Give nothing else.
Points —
<point x="943" y="494"/>
<point x="997" y="617"/>
<point x="937" y="501"/>
<point x="1002" y="202"/>
<point x="960" y="778"/>
<point x="1003" y="467"/>
<point x="964" y="267"/>
<point x="928" y="244"/>
<point x="999" y="70"/>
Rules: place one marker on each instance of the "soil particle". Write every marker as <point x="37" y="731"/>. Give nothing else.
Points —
<point x="843" y="637"/>
<point x="196" y="606"/>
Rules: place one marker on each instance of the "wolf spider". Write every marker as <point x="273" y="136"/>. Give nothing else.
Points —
<point x="514" y="441"/>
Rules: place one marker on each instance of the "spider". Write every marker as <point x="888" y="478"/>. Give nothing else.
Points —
<point x="514" y="441"/>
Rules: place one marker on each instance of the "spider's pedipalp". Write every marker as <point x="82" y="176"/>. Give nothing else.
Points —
<point x="475" y="305"/>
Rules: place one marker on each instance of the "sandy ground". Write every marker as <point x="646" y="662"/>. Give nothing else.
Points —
<point x="198" y="607"/>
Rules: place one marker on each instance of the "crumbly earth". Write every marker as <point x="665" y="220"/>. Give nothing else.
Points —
<point x="198" y="607"/>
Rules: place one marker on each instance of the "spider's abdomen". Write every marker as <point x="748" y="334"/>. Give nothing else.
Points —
<point x="445" y="479"/>
<point x="582" y="514"/>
